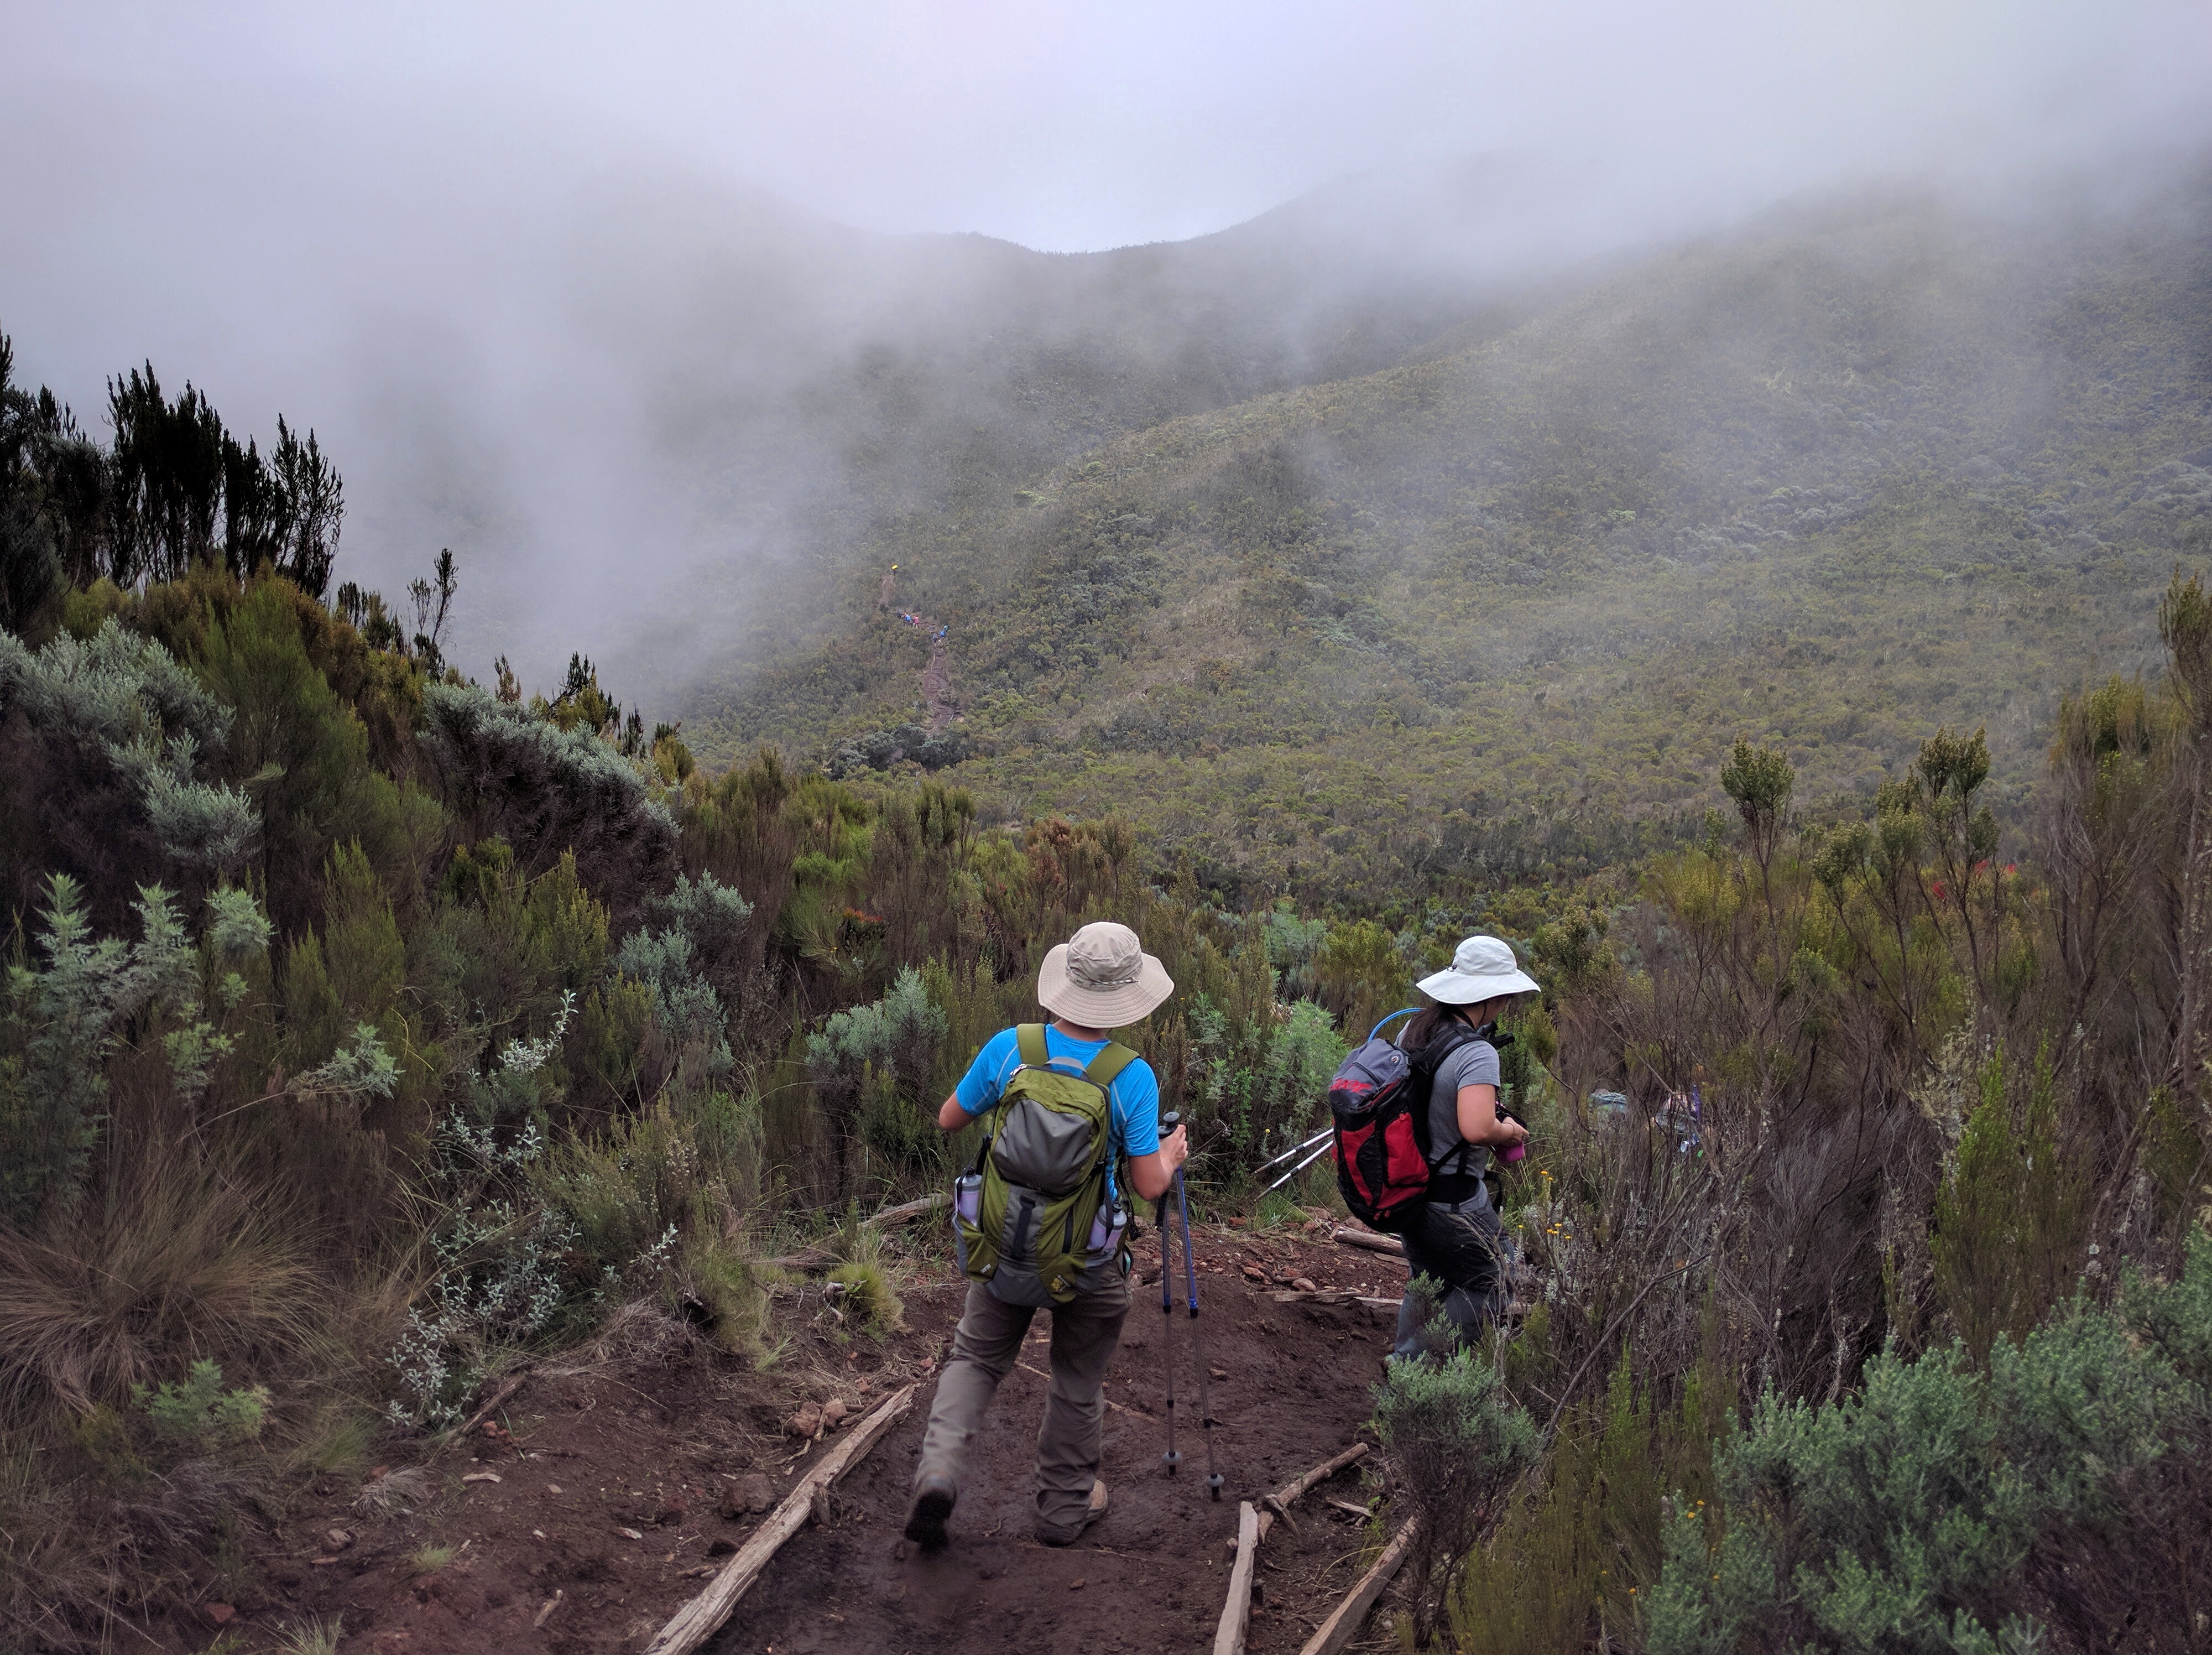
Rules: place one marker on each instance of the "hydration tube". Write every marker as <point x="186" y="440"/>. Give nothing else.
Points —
<point x="1408" y="1012"/>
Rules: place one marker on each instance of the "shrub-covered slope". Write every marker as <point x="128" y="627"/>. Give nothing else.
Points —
<point x="1846" y="474"/>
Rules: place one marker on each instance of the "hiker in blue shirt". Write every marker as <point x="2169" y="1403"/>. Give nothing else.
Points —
<point x="1100" y="981"/>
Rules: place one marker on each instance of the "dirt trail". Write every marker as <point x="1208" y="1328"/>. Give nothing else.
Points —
<point x="611" y="1499"/>
<point x="937" y="686"/>
<point x="1291" y="1387"/>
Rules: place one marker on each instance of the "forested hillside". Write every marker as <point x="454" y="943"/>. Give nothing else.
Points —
<point x="1852" y="472"/>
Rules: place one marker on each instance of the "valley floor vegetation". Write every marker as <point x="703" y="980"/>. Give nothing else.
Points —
<point x="365" y="1026"/>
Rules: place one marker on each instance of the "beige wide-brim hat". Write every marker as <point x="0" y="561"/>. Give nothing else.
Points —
<point x="1102" y="978"/>
<point x="1482" y="968"/>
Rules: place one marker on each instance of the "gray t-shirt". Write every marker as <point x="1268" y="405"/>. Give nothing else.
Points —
<point x="1474" y="1064"/>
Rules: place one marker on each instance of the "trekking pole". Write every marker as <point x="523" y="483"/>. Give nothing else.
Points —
<point x="1301" y="1167"/>
<point x="1277" y="1160"/>
<point x="1213" y="1479"/>
<point x="1167" y="1308"/>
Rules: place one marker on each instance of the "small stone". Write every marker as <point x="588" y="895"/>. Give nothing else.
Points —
<point x="552" y="1487"/>
<point x="720" y="1547"/>
<point x="630" y="1534"/>
<point x="807" y="1422"/>
<point x="337" y="1540"/>
<point x="748" y="1493"/>
<point x="1255" y="1272"/>
<point x="1304" y="1284"/>
<point x="671" y="1510"/>
<point x="1075" y="1585"/>
<point x="1217" y="1373"/>
<point x="834" y="1412"/>
<point x="220" y="1615"/>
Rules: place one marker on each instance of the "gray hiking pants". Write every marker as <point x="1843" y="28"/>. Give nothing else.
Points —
<point x="1084" y="1335"/>
<point x="1464" y="1248"/>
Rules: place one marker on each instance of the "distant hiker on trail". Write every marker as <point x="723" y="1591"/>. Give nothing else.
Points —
<point x="1457" y="1239"/>
<point x="1040" y="1222"/>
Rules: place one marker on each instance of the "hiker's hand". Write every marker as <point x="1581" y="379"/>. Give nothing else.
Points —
<point x="1516" y="1132"/>
<point x="1154" y="1174"/>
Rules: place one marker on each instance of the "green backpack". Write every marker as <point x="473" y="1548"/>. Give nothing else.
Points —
<point x="1031" y="1217"/>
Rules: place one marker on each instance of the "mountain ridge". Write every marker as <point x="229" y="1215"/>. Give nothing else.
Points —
<point x="1898" y="470"/>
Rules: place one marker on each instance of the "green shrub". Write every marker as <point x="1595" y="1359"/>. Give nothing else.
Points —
<point x="62" y="1020"/>
<point x="198" y="1414"/>
<point x="1573" y="1555"/>
<point x="548" y="792"/>
<point x="1362" y="976"/>
<point x="1947" y="1510"/>
<point x="1455" y="1443"/>
<point x="121" y="742"/>
<point x="870" y="1067"/>
<point x="2009" y="1215"/>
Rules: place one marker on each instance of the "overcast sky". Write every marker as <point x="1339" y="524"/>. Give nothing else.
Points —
<point x="1069" y="127"/>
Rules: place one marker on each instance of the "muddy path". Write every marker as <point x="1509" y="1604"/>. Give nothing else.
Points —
<point x="620" y="1476"/>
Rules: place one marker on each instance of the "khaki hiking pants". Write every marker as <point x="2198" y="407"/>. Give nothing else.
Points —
<point x="1084" y="1335"/>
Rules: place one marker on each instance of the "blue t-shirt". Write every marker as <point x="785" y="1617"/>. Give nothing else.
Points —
<point x="1134" y="1097"/>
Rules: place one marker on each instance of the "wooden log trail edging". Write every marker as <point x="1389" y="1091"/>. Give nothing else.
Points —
<point x="1313" y="1479"/>
<point x="702" y="1618"/>
<point x="1337" y="1631"/>
<point x="815" y="1259"/>
<point x="1370" y="1240"/>
<point x="1228" y="1636"/>
<point x="1332" y="1296"/>
<point x="1251" y="1529"/>
<point x="906" y="1210"/>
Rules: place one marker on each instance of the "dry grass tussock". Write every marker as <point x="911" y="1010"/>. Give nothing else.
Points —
<point x="180" y="1266"/>
<point x="643" y="1331"/>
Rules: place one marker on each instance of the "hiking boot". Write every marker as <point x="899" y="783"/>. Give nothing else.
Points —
<point x="932" y="1504"/>
<point x="1093" y="1509"/>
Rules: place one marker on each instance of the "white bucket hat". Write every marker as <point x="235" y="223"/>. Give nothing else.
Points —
<point x="1102" y="978"/>
<point x="1482" y="968"/>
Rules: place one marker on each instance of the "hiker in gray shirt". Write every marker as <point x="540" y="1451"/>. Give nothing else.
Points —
<point x="1457" y="1240"/>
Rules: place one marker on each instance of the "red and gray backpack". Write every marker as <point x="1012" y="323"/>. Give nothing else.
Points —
<point x="1378" y="1106"/>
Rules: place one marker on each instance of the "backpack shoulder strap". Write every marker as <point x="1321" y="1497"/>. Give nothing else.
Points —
<point x="1028" y="1040"/>
<point x="1106" y="1066"/>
